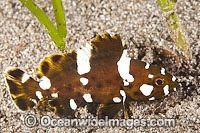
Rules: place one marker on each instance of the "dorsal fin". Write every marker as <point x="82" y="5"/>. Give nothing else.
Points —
<point x="58" y="67"/>
<point x="106" y="48"/>
<point x="65" y="63"/>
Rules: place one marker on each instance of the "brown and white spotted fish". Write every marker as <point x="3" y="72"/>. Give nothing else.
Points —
<point x="108" y="78"/>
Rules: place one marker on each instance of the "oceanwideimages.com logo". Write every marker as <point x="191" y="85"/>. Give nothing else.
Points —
<point x="46" y="121"/>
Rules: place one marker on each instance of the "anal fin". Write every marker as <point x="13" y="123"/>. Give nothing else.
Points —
<point x="109" y="110"/>
<point x="60" y="107"/>
<point x="92" y="108"/>
<point x="63" y="106"/>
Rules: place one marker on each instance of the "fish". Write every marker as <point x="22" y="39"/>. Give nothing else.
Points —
<point x="110" y="82"/>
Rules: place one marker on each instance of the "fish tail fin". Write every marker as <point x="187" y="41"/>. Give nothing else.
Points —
<point x="22" y="88"/>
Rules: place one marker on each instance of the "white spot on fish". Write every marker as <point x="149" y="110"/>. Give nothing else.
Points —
<point x="54" y="95"/>
<point x="122" y="92"/>
<point x="150" y="76"/>
<point x="125" y="83"/>
<point x="124" y="68"/>
<point x="147" y="65"/>
<point x="173" y="78"/>
<point x="25" y="77"/>
<point x="174" y="89"/>
<point x="84" y="81"/>
<point x="116" y="100"/>
<point x="83" y="59"/>
<point x="72" y="104"/>
<point x="33" y="100"/>
<point x="87" y="98"/>
<point x="163" y="71"/>
<point x="39" y="94"/>
<point x="152" y="98"/>
<point x="45" y="83"/>
<point x="166" y="90"/>
<point x="146" y="89"/>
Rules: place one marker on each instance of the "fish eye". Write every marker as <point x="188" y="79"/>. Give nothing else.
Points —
<point x="159" y="81"/>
